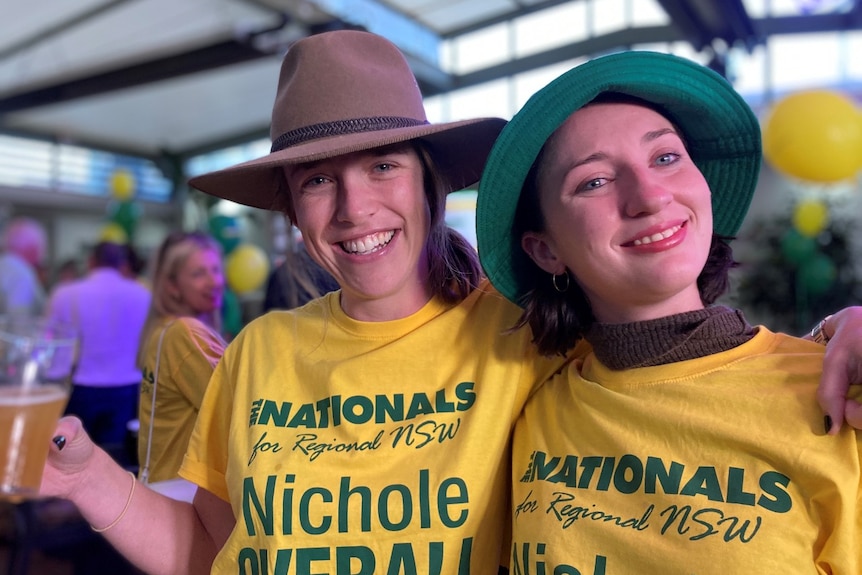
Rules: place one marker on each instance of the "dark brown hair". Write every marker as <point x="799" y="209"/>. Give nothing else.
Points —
<point x="110" y="255"/>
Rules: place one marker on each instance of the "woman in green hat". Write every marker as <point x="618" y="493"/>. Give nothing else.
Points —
<point x="675" y="446"/>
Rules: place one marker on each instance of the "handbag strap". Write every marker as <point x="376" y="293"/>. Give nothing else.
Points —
<point x="145" y="472"/>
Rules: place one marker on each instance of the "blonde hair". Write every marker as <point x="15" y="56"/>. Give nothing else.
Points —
<point x="169" y="260"/>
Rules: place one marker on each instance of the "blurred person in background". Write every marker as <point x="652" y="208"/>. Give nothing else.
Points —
<point x="67" y="271"/>
<point x="136" y="266"/>
<point x="298" y="279"/>
<point x="109" y="311"/>
<point x="22" y="252"/>
<point x="179" y="348"/>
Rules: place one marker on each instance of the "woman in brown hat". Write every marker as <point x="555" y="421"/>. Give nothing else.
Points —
<point x="367" y="431"/>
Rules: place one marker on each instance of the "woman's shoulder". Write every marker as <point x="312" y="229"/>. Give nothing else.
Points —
<point x="189" y="327"/>
<point x="284" y="322"/>
<point x="780" y="342"/>
<point x="486" y="299"/>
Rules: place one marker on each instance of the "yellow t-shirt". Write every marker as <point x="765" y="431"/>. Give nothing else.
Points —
<point x="190" y="351"/>
<point x="711" y="466"/>
<point x="367" y="447"/>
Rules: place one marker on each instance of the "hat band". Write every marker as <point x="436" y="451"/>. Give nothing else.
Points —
<point x="340" y="128"/>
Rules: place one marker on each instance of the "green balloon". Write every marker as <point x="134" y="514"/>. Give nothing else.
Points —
<point x="125" y="215"/>
<point x="798" y="248"/>
<point x="231" y="313"/>
<point x="817" y="275"/>
<point x="227" y="231"/>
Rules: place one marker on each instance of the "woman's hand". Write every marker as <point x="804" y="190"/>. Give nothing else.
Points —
<point x="842" y="367"/>
<point x="69" y="457"/>
<point x="155" y="533"/>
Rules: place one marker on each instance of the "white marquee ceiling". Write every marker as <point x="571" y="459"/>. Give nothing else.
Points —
<point x="175" y="76"/>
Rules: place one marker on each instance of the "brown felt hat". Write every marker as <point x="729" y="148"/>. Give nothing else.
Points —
<point x="342" y="92"/>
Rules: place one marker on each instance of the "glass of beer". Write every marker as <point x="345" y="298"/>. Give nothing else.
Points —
<point x="37" y="357"/>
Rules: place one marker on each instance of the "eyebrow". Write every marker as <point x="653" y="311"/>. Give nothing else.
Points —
<point x="650" y="136"/>
<point x="656" y="134"/>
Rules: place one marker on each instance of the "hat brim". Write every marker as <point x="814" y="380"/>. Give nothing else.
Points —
<point x="459" y="150"/>
<point x="722" y="134"/>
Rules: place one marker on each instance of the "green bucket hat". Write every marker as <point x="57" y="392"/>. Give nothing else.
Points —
<point x="721" y="132"/>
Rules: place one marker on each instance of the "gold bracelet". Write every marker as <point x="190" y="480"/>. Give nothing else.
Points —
<point x="123" y="512"/>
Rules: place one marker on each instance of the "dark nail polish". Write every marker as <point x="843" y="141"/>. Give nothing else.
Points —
<point x="827" y="422"/>
<point x="60" y="442"/>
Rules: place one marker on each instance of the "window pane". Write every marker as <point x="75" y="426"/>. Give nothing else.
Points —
<point x="804" y="61"/>
<point x="551" y="28"/>
<point x="609" y="16"/>
<point x="478" y="50"/>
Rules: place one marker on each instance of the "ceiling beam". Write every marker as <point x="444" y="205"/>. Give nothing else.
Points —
<point x="58" y="28"/>
<point x="812" y="23"/>
<point x="206" y="58"/>
<point x="701" y="22"/>
<point x="612" y="42"/>
<point x="522" y="10"/>
<point x="432" y="80"/>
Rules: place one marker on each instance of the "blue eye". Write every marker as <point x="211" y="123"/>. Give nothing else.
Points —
<point x="591" y="185"/>
<point x="314" y="182"/>
<point x="669" y="158"/>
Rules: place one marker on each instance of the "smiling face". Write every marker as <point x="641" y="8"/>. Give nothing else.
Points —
<point x="365" y="218"/>
<point x="199" y="282"/>
<point x="626" y="211"/>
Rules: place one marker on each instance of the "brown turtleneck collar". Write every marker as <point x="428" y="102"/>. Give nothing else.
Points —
<point x="669" y="339"/>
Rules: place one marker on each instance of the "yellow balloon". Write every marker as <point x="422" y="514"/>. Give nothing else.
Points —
<point x="859" y="148"/>
<point x="246" y="268"/>
<point x="122" y="185"/>
<point x="814" y="135"/>
<point x="810" y="217"/>
<point x="113" y="233"/>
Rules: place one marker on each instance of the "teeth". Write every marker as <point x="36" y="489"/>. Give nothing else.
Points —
<point x="657" y="237"/>
<point x="368" y="244"/>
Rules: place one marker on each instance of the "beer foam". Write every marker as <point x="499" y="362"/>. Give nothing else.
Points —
<point x="15" y="396"/>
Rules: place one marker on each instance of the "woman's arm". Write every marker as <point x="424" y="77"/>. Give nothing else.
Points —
<point x="842" y="367"/>
<point x="156" y="533"/>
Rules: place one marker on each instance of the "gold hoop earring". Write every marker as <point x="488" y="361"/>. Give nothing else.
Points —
<point x="557" y="287"/>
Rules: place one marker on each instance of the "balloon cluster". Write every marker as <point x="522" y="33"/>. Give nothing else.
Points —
<point x="815" y="270"/>
<point x="814" y="136"/>
<point x="246" y="264"/>
<point x="123" y="213"/>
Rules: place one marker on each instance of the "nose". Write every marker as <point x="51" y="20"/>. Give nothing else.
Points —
<point x="355" y="200"/>
<point x="646" y="194"/>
